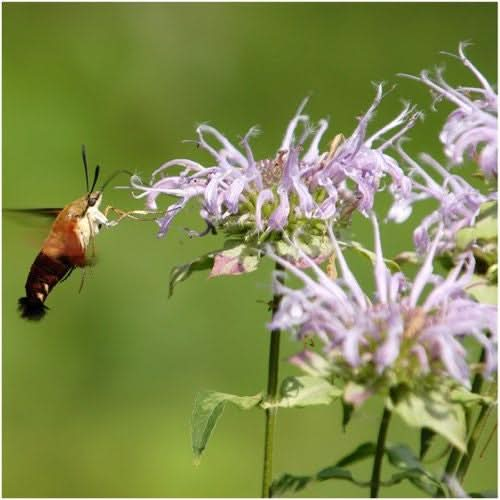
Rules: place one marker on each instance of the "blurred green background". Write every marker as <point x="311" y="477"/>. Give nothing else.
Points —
<point x="97" y="398"/>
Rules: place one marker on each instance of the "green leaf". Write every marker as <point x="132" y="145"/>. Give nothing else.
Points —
<point x="297" y="392"/>
<point x="184" y="271"/>
<point x="482" y="290"/>
<point x="347" y="411"/>
<point x="431" y="409"/>
<point x="467" y="398"/>
<point x="399" y="455"/>
<point x="242" y="402"/>
<point x="486" y="227"/>
<point x="363" y="451"/>
<point x="488" y="208"/>
<point x="334" y="472"/>
<point x="240" y="259"/>
<point x="492" y="273"/>
<point x="208" y="408"/>
<point x="357" y="247"/>
<point x="419" y="479"/>
<point x="234" y="260"/>
<point x="402" y="457"/>
<point x="289" y="482"/>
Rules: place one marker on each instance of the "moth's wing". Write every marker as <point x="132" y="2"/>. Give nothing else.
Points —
<point x="36" y="222"/>
<point x="43" y="212"/>
<point x="32" y="216"/>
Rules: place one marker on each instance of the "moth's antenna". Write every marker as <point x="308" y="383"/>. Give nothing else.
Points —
<point x="113" y="175"/>
<point x="96" y="176"/>
<point x="85" y="167"/>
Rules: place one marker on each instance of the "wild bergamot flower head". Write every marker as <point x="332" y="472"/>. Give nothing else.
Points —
<point x="409" y="332"/>
<point x="459" y="203"/>
<point x="470" y="133"/>
<point x="470" y="130"/>
<point x="299" y="186"/>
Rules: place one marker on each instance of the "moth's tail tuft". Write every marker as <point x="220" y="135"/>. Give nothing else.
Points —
<point x="32" y="309"/>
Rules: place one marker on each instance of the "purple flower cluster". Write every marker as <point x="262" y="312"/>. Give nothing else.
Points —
<point x="459" y="203"/>
<point x="409" y="330"/>
<point x="472" y="128"/>
<point x="296" y="186"/>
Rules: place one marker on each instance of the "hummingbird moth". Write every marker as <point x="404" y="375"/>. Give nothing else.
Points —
<point x="68" y="243"/>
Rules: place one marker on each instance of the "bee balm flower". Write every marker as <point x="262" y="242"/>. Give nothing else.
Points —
<point x="402" y="335"/>
<point x="459" y="203"/>
<point x="472" y="128"/>
<point x="297" y="186"/>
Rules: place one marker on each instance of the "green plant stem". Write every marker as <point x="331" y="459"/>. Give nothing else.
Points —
<point x="450" y="468"/>
<point x="471" y="444"/>
<point x="455" y="454"/>
<point x="272" y="389"/>
<point x="477" y="385"/>
<point x="379" y="453"/>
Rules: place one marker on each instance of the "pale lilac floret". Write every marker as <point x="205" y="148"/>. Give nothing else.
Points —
<point x="299" y="182"/>
<point x="359" y="161"/>
<point x="459" y="202"/>
<point x="471" y="129"/>
<point x="429" y="318"/>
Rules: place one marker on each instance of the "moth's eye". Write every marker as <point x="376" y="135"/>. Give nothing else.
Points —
<point x="92" y="200"/>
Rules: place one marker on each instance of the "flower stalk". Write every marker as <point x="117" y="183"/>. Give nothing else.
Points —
<point x="379" y="453"/>
<point x="476" y="430"/>
<point x="272" y="389"/>
<point x="450" y="468"/>
<point x="456" y="458"/>
<point x="472" y="443"/>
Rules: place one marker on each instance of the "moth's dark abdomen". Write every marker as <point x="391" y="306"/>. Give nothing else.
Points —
<point x="32" y="309"/>
<point x="44" y="275"/>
